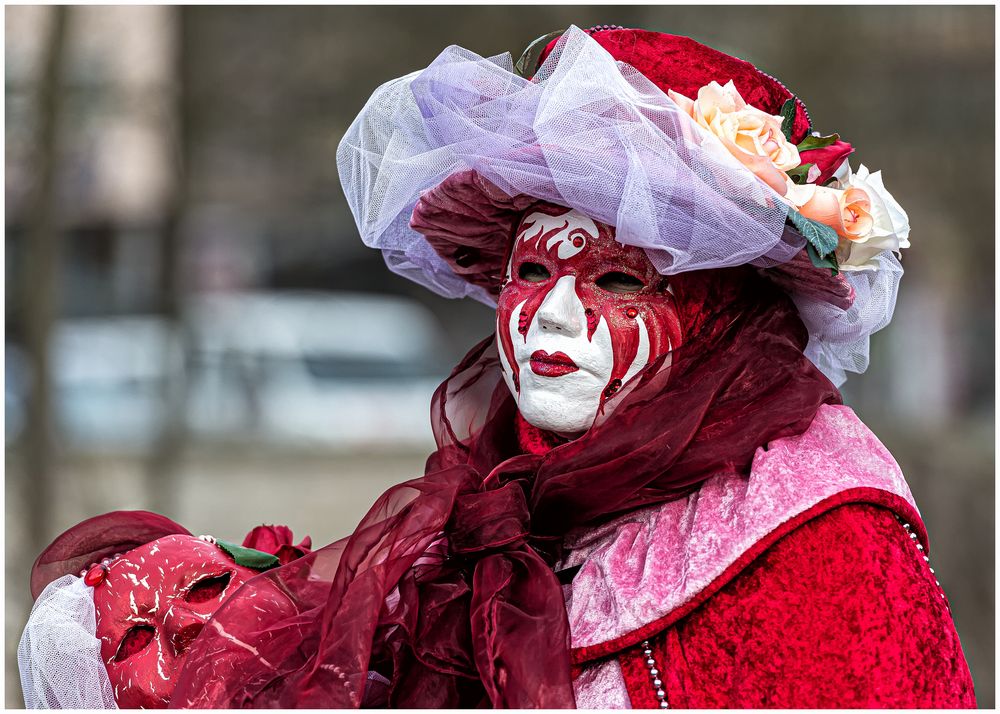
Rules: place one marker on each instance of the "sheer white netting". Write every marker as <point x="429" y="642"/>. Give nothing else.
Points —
<point x="838" y="339"/>
<point x="59" y="655"/>
<point x="588" y="132"/>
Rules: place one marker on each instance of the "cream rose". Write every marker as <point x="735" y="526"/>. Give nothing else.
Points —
<point x="753" y="136"/>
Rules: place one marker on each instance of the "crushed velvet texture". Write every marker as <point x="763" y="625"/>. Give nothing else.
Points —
<point x="602" y="686"/>
<point x="470" y="223"/>
<point x="842" y="612"/>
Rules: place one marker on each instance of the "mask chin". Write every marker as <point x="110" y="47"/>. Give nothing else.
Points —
<point x="565" y="412"/>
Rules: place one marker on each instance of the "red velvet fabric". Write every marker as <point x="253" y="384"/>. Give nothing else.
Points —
<point x="842" y="612"/>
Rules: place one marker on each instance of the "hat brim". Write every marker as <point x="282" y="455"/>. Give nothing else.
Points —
<point x="470" y="223"/>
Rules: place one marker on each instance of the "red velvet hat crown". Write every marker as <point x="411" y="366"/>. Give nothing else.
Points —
<point x="685" y="66"/>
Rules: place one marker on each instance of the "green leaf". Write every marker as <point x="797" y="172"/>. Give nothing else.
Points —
<point x="800" y="173"/>
<point x="829" y="261"/>
<point x="819" y="235"/>
<point x="788" y="118"/>
<point x="817" y="142"/>
<point x="248" y="557"/>
<point x="527" y="65"/>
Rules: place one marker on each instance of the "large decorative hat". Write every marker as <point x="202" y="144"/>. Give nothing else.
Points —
<point x="696" y="156"/>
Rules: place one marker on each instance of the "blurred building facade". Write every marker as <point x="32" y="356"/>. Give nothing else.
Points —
<point x="195" y="157"/>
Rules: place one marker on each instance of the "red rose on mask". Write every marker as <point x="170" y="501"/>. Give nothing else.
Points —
<point x="277" y="540"/>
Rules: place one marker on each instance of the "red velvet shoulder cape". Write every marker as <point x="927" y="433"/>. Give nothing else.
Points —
<point x="841" y="612"/>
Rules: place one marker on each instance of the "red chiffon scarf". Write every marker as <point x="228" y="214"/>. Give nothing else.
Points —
<point x="446" y="588"/>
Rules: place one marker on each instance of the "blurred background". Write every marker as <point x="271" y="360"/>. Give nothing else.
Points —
<point x="194" y="327"/>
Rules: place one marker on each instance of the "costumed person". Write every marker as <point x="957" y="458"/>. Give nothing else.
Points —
<point x="646" y="490"/>
<point x="119" y="599"/>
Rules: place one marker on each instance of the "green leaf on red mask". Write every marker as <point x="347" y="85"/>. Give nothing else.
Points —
<point x="248" y="557"/>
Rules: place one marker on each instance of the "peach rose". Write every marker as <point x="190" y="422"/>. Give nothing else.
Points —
<point x="890" y="226"/>
<point x="753" y="136"/>
<point x="865" y="216"/>
<point x="848" y="211"/>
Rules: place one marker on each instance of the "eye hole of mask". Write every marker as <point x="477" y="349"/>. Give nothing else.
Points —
<point x="208" y="588"/>
<point x="621" y="283"/>
<point x="533" y="272"/>
<point x="135" y="640"/>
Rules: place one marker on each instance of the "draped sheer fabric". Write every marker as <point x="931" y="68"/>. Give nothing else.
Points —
<point x="446" y="587"/>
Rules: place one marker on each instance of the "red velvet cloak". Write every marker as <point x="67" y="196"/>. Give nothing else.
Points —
<point x="841" y="612"/>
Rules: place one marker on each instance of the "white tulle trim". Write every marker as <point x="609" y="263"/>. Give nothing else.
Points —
<point x="59" y="655"/>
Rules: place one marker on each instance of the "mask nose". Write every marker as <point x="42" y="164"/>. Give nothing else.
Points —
<point x="181" y="627"/>
<point x="561" y="311"/>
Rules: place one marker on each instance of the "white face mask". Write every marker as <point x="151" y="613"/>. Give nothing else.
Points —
<point x="558" y="354"/>
<point x="557" y="401"/>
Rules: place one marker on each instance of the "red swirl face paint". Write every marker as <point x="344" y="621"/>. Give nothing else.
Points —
<point x="150" y="605"/>
<point x="575" y="296"/>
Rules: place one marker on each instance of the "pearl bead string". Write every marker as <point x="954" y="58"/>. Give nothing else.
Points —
<point x="913" y="536"/>
<point x="654" y="674"/>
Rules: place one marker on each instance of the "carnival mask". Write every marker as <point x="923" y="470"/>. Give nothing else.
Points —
<point x="579" y="314"/>
<point x="152" y="603"/>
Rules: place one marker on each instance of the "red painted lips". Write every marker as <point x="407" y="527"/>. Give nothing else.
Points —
<point x="551" y="365"/>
